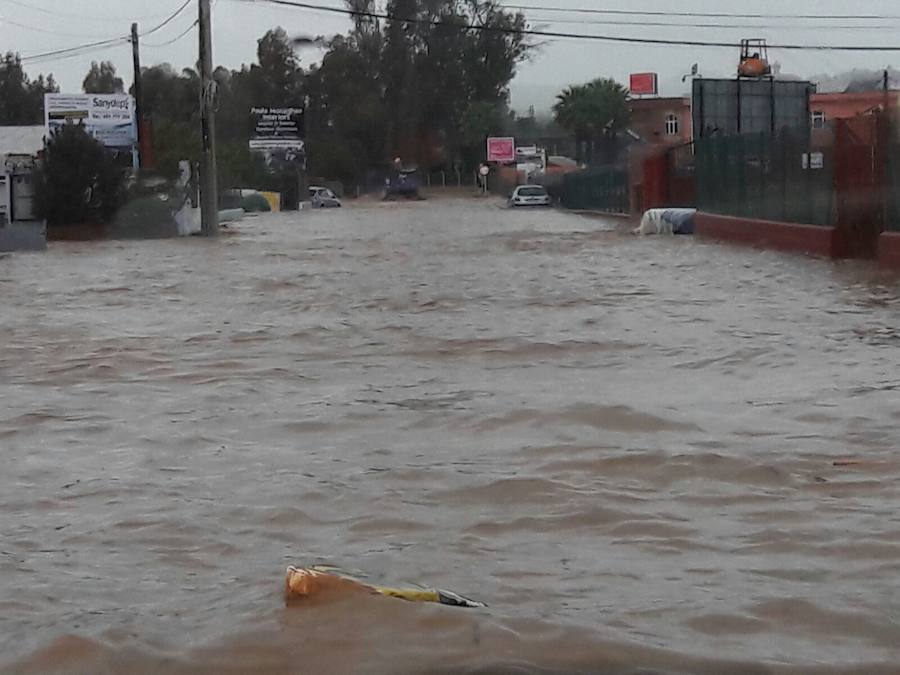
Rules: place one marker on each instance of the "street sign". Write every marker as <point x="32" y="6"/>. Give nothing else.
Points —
<point x="813" y="160"/>
<point x="644" y="84"/>
<point x="501" y="150"/>
<point x="277" y="129"/>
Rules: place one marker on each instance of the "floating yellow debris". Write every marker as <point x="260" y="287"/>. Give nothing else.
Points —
<point x="307" y="583"/>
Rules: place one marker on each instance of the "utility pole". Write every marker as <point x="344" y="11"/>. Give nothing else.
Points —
<point x="209" y="191"/>
<point x="138" y="100"/>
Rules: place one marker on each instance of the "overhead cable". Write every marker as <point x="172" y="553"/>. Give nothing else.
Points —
<point x="620" y="39"/>
<point x="701" y="15"/>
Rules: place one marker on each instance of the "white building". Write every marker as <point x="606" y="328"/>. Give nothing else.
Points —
<point x="19" y="228"/>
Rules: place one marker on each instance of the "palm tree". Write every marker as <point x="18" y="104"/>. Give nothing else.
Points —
<point x="593" y="111"/>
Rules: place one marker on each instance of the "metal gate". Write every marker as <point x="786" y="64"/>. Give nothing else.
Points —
<point x="859" y="183"/>
<point x="599" y="189"/>
<point x="766" y="177"/>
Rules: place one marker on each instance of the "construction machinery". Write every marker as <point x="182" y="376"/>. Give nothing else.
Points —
<point x="754" y="59"/>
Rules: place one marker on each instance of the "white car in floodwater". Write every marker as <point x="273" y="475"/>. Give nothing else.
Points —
<point x="323" y="198"/>
<point x="530" y="195"/>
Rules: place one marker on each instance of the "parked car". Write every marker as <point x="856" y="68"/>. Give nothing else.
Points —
<point x="323" y="198"/>
<point x="530" y="195"/>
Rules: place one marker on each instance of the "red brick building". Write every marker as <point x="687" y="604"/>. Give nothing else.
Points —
<point x="826" y="108"/>
<point x="662" y="121"/>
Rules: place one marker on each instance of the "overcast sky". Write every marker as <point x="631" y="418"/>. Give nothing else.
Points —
<point x="37" y="26"/>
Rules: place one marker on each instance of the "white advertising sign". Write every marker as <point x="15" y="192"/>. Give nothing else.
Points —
<point x="109" y="118"/>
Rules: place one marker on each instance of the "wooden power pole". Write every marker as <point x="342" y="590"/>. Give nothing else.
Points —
<point x="138" y="100"/>
<point x="209" y="191"/>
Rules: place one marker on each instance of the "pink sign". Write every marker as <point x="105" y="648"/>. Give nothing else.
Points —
<point x="502" y="150"/>
<point x="644" y="84"/>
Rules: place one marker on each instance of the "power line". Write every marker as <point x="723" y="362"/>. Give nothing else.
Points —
<point x="175" y="39"/>
<point x="70" y="52"/>
<point x="165" y="23"/>
<point x="79" y="50"/>
<point x="46" y="31"/>
<point x="701" y="15"/>
<point x="567" y="35"/>
<point x="78" y="15"/>
<point x="540" y="21"/>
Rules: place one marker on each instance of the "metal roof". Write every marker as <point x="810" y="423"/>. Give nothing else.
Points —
<point x="21" y="140"/>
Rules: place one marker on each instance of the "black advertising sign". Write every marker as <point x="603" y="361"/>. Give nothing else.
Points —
<point x="277" y="129"/>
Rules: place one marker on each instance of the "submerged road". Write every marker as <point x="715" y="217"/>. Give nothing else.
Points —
<point x="625" y="447"/>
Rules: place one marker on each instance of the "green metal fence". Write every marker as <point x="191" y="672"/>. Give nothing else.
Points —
<point x="599" y="189"/>
<point x="765" y="177"/>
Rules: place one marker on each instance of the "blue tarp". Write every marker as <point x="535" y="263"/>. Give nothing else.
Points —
<point x="682" y="220"/>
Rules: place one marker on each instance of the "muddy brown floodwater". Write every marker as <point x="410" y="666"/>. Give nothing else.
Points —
<point x="625" y="447"/>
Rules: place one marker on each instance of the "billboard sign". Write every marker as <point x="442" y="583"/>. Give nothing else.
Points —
<point x="277" y="129"/>
<point x="501" y="150"/>
<point x="738" y="106"/>
<point x="110" y="118"/>
<point x="644" y="84"/>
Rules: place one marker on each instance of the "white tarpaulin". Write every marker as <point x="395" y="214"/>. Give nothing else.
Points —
<point x="107" y="117"/>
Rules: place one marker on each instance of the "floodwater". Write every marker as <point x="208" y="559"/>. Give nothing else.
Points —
<point x="625" y="447"/>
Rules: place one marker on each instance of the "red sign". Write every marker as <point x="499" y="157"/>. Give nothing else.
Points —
<point x="502" y="150"/>
<point x="644" y="84"/>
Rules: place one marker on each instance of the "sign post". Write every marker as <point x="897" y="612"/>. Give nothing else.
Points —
<point x="279" y="134"/>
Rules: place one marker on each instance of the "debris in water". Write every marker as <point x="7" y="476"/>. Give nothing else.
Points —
<point x="306" y="583"/>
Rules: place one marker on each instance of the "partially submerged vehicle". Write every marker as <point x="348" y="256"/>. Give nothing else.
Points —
<point x="323" y="198"/>
<point x="403" y="184"/>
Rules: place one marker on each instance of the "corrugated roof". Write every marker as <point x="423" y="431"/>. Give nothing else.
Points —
<point x="21" y="140"/>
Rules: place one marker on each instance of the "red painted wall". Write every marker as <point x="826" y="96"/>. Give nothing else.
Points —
<point x="889" y="251"/>
<point x="788" y="237"/>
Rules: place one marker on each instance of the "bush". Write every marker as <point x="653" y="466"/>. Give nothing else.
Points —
<point x="79" y="180"/>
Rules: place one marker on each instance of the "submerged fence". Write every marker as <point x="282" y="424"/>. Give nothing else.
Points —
<point x="599" y="189"/>
<point x="766" y="177"/>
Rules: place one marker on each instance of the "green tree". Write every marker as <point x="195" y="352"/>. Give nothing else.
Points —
<point x="79" y="181"/>
<point x="21" y="99"/>
<point x="169" y="94"/>
<point x="102" y="79"/>
<point x="171" y="104"/>
<point x="275" y="80"/>
<point x="593" y="112"/>
<point x="279" y="72"/>
<point x="458" y="53"/>
<point x="428" y="90"/>
<point x="480" y="120"/>
<point x="346" y="115"/>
